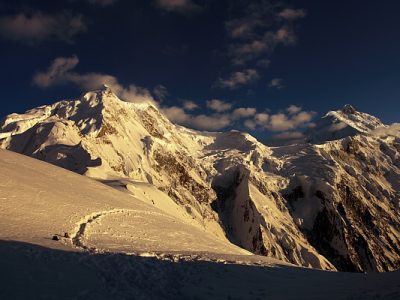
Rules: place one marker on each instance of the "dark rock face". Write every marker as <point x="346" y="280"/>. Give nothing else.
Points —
<point x="349" y="109"/>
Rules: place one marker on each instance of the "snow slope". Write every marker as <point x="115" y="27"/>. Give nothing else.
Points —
<point x="118" y="247"/>
<point x="328" y="206"/>
<point x="39" y="201"/>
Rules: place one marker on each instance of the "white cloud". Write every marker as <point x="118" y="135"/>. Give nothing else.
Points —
<point x="292" y="119"/>
<point x="283" y="122"/>
<point x="179" y="6"/>
<point x="285" y="35"/>
<point x="293" y="109"/>
<point x="211" y="122"/>
<point x="337" y="127"/>
<point x="286" y="138"/>
<point x="262" y="119"/>
<point x="60" y="72"/>
<point x="218" y="105"/>
<point x="243" y="112"/>
<point x="176" y="114"/>
<point x="250" y="124"/>
<point x="56" y="72"/>
<point x="276" y="83"/>
<point x="190" y="105"/>
<point x="238" y="79"/>
<point x="224" y="116"/>
<point x="240" y="28"/>
<point x="289" y="135"/>
<point x="202" y="122"/>
<point x="215" y="121"/>
<point x="38" y="27"/>
<point x="280" y="122"/>
<point x="245" y="52"/>
<point x="292" y="14"/>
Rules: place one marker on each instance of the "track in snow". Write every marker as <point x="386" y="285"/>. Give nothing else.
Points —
<point x="77" y="238"/>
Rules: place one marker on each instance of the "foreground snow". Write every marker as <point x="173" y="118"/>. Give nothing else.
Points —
<point x="114" y="246"/>
<point x="40" y="201"/>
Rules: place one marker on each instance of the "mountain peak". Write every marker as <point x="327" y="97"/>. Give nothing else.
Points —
<point x="95" y="97"/>
<point x="349" y="109"/>
<point x="342" y="123"/>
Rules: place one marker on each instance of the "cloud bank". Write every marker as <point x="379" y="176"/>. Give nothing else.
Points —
<point x="220" y="115"/>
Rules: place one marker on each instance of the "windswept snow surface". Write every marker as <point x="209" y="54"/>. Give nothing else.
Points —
<point x="113" y="246"/>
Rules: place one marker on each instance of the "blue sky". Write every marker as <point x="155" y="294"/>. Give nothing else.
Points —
<point x="268" y="67"/>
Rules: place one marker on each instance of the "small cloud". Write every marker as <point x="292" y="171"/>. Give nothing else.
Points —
<point x="38" y="27"/>
<point x="179" y="6"/>
<point x="258" y="29"/>
<point x="276" y="83"/>
<point x="243" y="112"/>
<point x="250" y="124"/>
<point x="61" y="72"/>
<point x="337" y="127"/>
<point x="160" y="92"/>
<point x="286" y="138"/>
<point x="262" y="119"/>
<point x="176" y="114"/>
<point x="238" y="79"/>
<point x="202" y="122"/>
<point x="293" y="109"/>
<point x="55" y="74"/>
<point x="212" y="122"/>
<point x="244" y="52"/>
<point x="289" y="135"/>
<point x="190" y="105"/>
<point x="241" y="28"/>
<point x="285" y="35"/>
<point x="292" y="14"/>
<point x="218" y="105"/>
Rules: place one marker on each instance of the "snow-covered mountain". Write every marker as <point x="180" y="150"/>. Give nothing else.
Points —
<point x="331" y="206"/>
<point x="342" y="123"/>
<point x="65" y="236"/>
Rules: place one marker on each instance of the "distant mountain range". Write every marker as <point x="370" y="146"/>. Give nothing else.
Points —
<point x="331" y="202"/>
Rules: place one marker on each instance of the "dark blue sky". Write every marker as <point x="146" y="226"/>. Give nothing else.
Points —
<point x="345" y="52"/>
